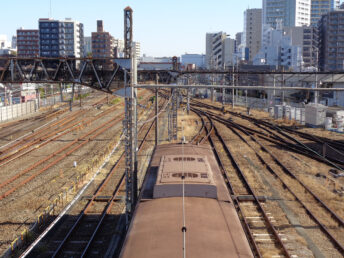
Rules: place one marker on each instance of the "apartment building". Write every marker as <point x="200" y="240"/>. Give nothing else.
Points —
<point x="61" y="38"/>
<point x="27" y="43"/>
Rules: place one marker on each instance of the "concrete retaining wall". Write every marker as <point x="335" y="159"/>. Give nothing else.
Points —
<point x="17" y="110"/>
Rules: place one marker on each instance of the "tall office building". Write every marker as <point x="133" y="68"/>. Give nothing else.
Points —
<point x="61" y="38"/>
<point x="27" y="43"/>
<point x="291" y="12"/>
<point x="331" y="38"/>
<point x="252" y="34"/>
<point x="320" y="7"/>
<point x="214" y="54"/>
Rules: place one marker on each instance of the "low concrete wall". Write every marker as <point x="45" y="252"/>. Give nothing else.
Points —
<point x="17" y="110"/>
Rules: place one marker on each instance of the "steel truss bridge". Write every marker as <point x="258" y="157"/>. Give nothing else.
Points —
<point x="108" y="74"/>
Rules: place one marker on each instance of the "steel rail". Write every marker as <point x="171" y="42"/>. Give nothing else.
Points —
<point x="91" y="201"/>
<point x="18" y="123"/>
<point x="250" y="190"/>
<point x="15" y="177"/>
<point x="280" y="130"/>
<point x="100" y="129"/>
<point x="40" y="131"/>
<point x="300" y="148"/>
<point x="290" y="173"/>
<point x="27" y="143"/>
<point x="334" y="162"/>
<point x="55" y="135"/>
<point x="336" y="145"/>
<point x="195" y="139"/>
<point x="338" y="245"/>
<point x="6" y="182"/>
<point x="108" y="208"/>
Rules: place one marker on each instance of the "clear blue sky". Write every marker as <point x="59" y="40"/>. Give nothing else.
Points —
<point x="164" y="27"/>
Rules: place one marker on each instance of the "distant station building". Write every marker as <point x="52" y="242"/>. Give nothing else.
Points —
<point x="27" y="43"/>
<point x="156" y="63"/>
<point x="61" y="38"/>
<point x="193" y="59"/>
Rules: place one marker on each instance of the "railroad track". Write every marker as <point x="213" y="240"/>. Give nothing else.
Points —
<point x="15" y="182"/>
<point x="47" y="133"/>
<point x="52" y="135"/>
<point x="299" y="138"/>
<point x="45" y="116"/>
<point x="272" y="134"/>
<point x="28" y="174"/>
<point x="15" y="127"/>
<point x="60" y="181"/>
<point x="322" y="215"/>
<point x="201" y="135"/>
<point x="37" y="136"/>
<point x="98" y="217"/>
<point x="253" y="212"/>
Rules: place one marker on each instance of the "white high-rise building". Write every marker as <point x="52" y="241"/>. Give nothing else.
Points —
<point x="252" y="34"/>
<point x="214" y="55"/>
<point x="293" y="13"/>
<point x="137" y="49"/>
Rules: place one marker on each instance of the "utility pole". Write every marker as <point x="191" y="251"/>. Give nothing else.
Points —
<point x="188" y="97"/>
<point x="274" y="93"/>
<point x="80" y="95"/>
<point x="233" y="83"/>
<point x="156" y="112"/>
<point x="316" y="93"/>
<point x="223" y="89"/>
<point x="130" y="120"/>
